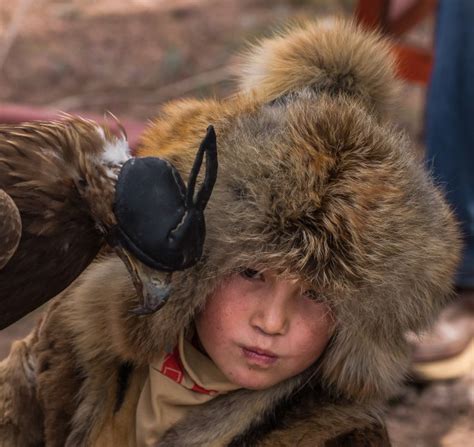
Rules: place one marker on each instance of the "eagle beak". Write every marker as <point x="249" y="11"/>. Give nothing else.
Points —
<point x="160" y="221"/>
<point x="153" y="286"/>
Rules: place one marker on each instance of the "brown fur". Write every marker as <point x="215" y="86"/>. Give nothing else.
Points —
<point x="375" y="436"/>
<point x="329" y="55"/>
<point x="21" y="422"/>
<point x="313" y="183"/>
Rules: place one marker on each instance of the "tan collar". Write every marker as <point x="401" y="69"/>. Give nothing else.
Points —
<point x="201" y="369"/>
<point x="176" y="383"/>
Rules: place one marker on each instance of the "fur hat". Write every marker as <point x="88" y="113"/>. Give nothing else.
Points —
<point x="313" y="182"/>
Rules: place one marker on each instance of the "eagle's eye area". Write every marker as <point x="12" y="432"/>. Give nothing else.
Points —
<point x="159" y="219"/>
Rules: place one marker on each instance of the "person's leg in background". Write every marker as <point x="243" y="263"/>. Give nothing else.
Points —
<point x="448" y="350"/>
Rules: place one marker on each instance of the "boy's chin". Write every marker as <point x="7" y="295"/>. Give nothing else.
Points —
<point x="253" y="380"/>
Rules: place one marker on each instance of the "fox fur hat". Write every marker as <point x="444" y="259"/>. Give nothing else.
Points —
<point x="315" y="183"/>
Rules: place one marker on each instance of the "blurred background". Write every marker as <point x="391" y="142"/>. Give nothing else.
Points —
<point x="130" y="56"/>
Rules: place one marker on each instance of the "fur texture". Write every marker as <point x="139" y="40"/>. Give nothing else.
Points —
<point x="21" y="421"/>
<point x="314" y="183"/>
<point x="329" y="55"/>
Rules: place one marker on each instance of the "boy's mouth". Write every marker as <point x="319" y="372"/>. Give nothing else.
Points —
<point x="259" y="356"/>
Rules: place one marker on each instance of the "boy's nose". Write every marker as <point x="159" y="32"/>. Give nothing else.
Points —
<point x="271" y="317"/>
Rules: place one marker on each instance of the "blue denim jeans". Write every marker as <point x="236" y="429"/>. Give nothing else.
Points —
<point x="450" y="119"/>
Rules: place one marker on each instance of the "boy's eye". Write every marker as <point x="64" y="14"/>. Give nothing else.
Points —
<point x="251" y="274"/>
<point x="312" y="295"/>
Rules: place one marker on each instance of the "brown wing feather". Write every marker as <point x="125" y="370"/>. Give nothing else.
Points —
<point x="42" y="166"/>
<point x="10" y="228"/>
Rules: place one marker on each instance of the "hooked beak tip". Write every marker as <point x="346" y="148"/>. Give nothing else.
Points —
<point x="153" y="287"/>
<point x="154" y="297"/>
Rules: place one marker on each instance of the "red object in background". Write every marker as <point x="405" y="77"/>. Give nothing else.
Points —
<point x="395" y="17"/>
<point x="13" y="113"/>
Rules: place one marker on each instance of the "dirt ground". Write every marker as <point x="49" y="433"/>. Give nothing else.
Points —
<point x="130" y="56"/>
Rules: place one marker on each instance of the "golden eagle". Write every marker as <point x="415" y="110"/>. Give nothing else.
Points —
<point x="68" y="187"/>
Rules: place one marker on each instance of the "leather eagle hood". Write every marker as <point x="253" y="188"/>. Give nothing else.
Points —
<point x="315" y="183"/>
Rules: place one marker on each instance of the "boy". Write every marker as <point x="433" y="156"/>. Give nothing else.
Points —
<point x="326" y="241"/>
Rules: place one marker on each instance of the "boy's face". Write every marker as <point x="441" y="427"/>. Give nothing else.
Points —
<point x="260" y="329"/>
